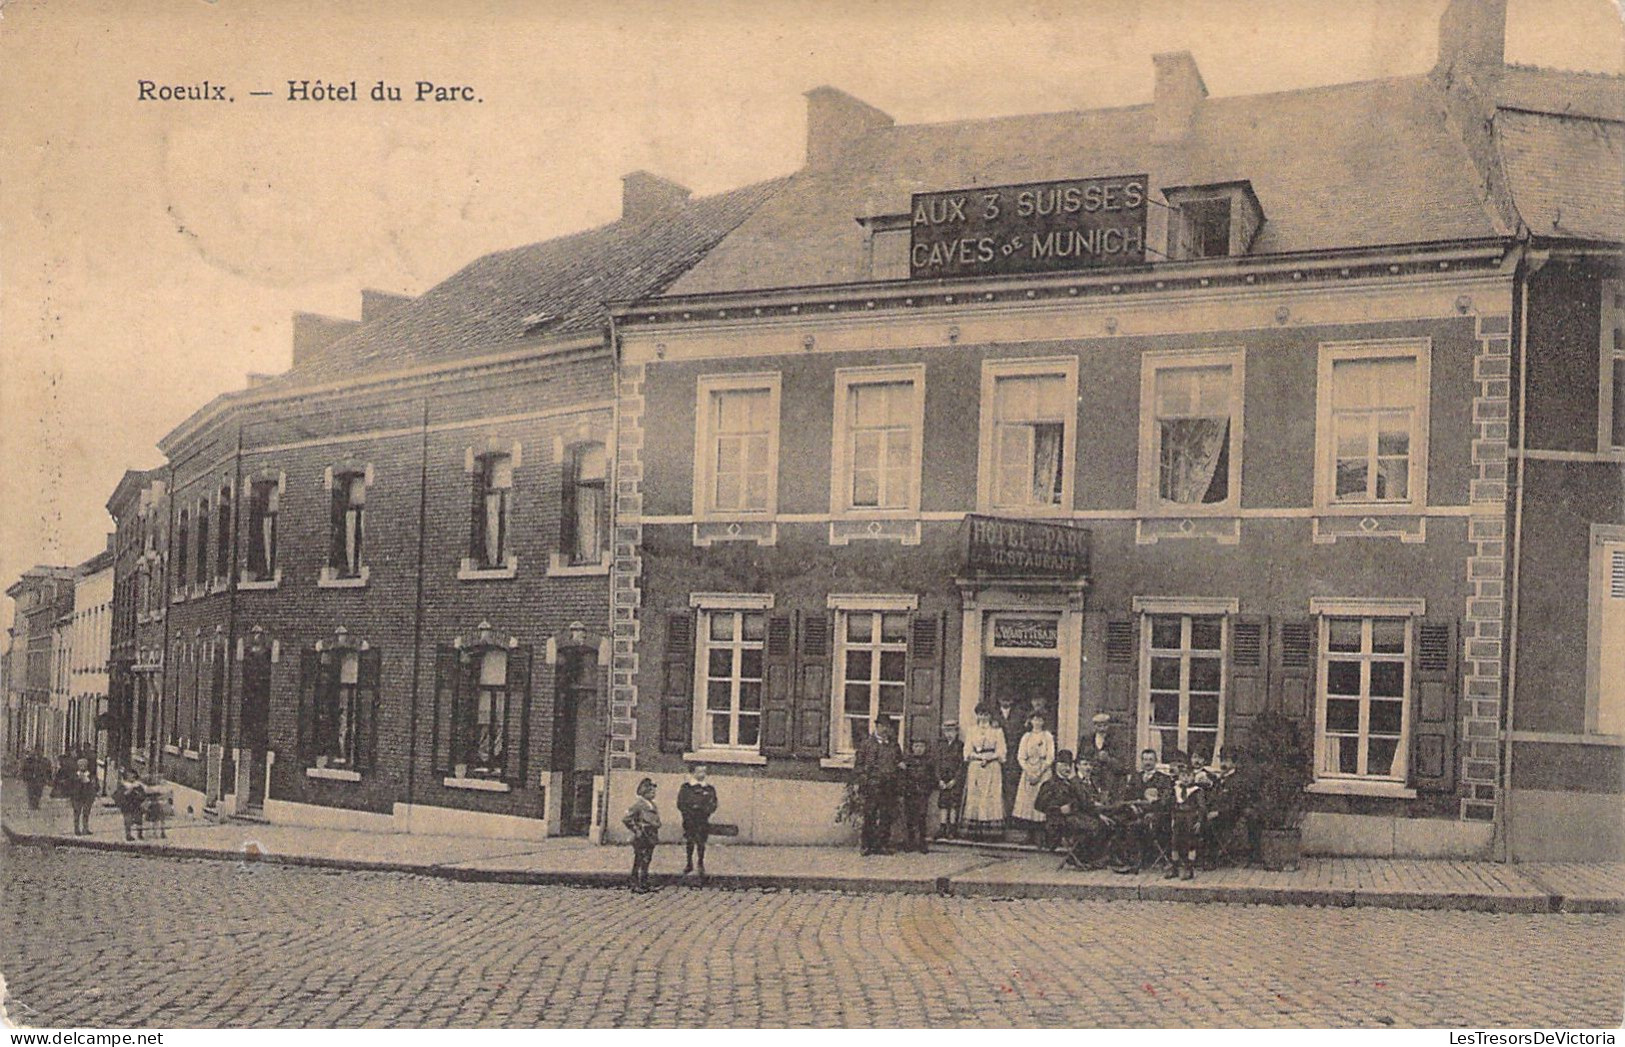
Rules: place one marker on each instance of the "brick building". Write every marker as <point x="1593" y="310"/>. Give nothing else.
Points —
<point x="1176" y="412"/>
<point x="387" y="569"/>
<point x="41" y="598"/>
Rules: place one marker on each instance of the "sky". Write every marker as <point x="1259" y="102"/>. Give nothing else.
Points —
<point x="152" y="253"/>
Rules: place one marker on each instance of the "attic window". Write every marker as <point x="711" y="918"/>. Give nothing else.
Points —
<point x="1212" y="221"/>
<point x="536" y="323"/>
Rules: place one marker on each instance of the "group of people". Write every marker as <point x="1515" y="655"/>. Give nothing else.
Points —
<point x="73" y="779"/>
<point x="696" y="803"/>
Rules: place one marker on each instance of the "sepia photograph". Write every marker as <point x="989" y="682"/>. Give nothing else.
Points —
<point x="700" y="515"/>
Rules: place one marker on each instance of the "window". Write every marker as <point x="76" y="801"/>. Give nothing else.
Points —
<point x="202" y="577"/>
<point x="1212" y="221"/>
<point x="264" y="498"/>
<point x="1185" y="678"/>
<point x="182" y="534"/>
<point x="348" y="506"/>
<point x="222" y="552"/>
<point x="1203" y="229"/>
<point x="737" y="445"/>
<point x="1611" y="403"/>
<point x="1364" y="683"/>
<point x="585" y="506"/>
<point x="872" y="658"/>
<point x="1605" y="706"/>
<point x="1190" y="422"/>
<point x="731" y="668"/>
<point x="1373" y="425"/>
<point x="488" y="531"/>
<point x="336" y="712"/>
<point x="480" y="722"/>
<point x="878" y="421"/>
<point x="1028" y="408"/>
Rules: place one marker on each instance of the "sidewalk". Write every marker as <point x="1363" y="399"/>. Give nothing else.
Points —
<point x="1379" y="882"/>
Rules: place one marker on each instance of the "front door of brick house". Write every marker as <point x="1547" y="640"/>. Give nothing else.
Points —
<point x="256" y="724"/>
<point x="579" y="737"/>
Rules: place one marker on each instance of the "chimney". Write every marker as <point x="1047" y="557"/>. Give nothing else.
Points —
<point x="644" y="195"/>
<point x="255" y="379"/>
<point x="313" y="333"/>
<point x="1472" y="40"/>
<point x="835" y="120"/>
<point x="375" y="305"/>
<point x="1178" y="92"/>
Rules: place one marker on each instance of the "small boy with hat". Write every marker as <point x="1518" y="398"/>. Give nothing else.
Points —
<point x="643" y="822"/>
<point x="950" y="780"/>
<point x="1187" y="813"/>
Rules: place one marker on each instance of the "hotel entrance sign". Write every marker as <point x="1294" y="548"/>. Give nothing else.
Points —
<point x="1037" y="227"/>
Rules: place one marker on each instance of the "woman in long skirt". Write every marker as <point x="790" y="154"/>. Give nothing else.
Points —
<point x="984" y="778"/>
<point x="1037" y="759"/>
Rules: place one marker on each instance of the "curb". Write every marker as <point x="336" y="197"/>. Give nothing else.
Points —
<point x="1526" y="903"/>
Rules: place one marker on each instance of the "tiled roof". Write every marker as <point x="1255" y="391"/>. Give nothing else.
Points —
<point x="1566" y="174"/>
<point x="1353" y="165"/>
<point x="554" y="287"/>
<point x="1539" y="90"/>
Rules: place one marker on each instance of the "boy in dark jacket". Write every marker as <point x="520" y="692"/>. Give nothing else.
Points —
<point x="919" y="778"/>
<point x="696" y="802"/>
<point x="131" y="798"/>
<point x="82" y="793"/>
<point x="950" y="781"/>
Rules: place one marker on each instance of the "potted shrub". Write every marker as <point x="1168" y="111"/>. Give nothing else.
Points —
<point x="1281" y="767"/>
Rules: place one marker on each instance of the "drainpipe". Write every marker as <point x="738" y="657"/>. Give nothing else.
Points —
<point x="231" y="626"/>
<point x="417" y="630"/>
<point x="1528" y="265"/>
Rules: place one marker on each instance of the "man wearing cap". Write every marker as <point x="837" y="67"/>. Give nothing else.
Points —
<point x="876" y="769"/>
<point x="1071" y="816"/>
<point x="1100" y="750"/>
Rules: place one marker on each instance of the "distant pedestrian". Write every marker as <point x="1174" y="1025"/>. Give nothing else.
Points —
<point x="696" y="802"/>
<point x="36" y="773"/>
<point x="83" y="796"/>
<point x="643" y="822"/>
<point x="62" y="783"/>
<point x="131" y="798"/>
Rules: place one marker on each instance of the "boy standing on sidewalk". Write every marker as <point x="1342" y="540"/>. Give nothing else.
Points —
<point x="643" y="822"/>
<point x="696" y="802"/>
<point x="82" y="793"/>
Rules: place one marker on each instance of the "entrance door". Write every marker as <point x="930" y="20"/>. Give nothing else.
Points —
<point x="1030" y="683"/>
<point x="256" y="724"/>
<point x="578" y="739"/>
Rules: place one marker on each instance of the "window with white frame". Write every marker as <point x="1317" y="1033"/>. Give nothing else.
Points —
<point x="182" y="536"/>
<point x="1182" y="698"/>
<point x="480" y="718"/>
<point x="879" y="414"/>
<point x="346" y="516"/>
<point x="871" y="660"/>
<point x="1372" y="425"/>
<point x="737" y="445"/>
<point x="336" y="712"/>
<point x="1363" y="719"/>
<point x="264" y="500"/>
<point x="1606" y="668"/>
<point x="488" y="527"/>
<point x="731" y="673"/>
<point x="585" y="508"/>
<point x="222" y="538"/>
<point x="1190" y="430"/>
<point x="1028" y="413"/>
<point x="1611" y="402"/>
<point x="202" y="578"/>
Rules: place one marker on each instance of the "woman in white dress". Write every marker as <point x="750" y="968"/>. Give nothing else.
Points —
<point x="984" y="778"/>
<point x="1037" y="759"/>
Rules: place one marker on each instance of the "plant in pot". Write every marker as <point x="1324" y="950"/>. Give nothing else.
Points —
<point x="1281" y="769"/>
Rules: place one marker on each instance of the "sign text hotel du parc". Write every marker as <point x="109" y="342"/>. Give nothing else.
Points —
<point x="1080" y="223"/>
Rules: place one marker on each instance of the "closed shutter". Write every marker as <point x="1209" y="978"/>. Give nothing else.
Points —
<point x="677" y="683"/>
<point x="310" y="674"/>
<point x="517" y="741"/>
<point x="1292" y="676"/>
<point x="476" y="515"/>
<point x="1122" y="665"/>
<point x="447" y="676"/>
<point x="567" y="505"/>
<point x="812" y="686"/>
<point x="778" y="697"/>
<point x="924" y="677"/>
<point x="1249" y="673"/>
<point x="338" y="504"/>
<point x="1433" y="723"/>
<point x="369" y="667"/>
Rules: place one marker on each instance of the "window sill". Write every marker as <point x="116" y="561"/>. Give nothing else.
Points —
<point x="260" y="584"/>
<point x="1371" y="509"/>
<point x="838" y="763"/>
<point x="739" y="756"/>
<point x="220" y="585"/>
<point x="1354" y="787"/>
<point x="485" y="785"/>
<point x="173" y="750"/>
<point x="467" y="572"/>
<point x="559" y="567"/>
<point x="330" y="580"/>
<point x="333" y="774"/>
<point x="1027" y="512"/>
<point x="190" y="754"/>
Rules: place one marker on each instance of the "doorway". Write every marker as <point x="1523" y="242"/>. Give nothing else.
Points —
<point x="256" y="724"/>
<point x="579" y="737"/>
<point x="1033" y="684"/>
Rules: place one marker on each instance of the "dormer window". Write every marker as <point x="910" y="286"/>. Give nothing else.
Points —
<point x="1212" y="221"/>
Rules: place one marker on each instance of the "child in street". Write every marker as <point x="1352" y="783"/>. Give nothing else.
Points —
<point x="82" y="793"/>
<point x="130" y="796"/>
<point x="643" y="822"/>
<point x="1186" y="816"/>
<point x="919" y="778"/>
<point x="696" y="802"/>
<point x="950" y="780"/>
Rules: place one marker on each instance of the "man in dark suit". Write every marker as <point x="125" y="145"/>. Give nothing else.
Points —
<point x="1144" y="812"/>
<point x="1102" y="750"/>
<point x="877" y="768"/>
<point x="1012" y="720"/>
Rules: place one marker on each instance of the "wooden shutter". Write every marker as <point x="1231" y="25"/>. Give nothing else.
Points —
<point x="1122" y="665"/>
<point x="338" y="505"/>
<point x="812" y="686"/>
<point x="517" y="741"/>
<point x="1293" y="674"/>
<point x="567" y="504"/>
<point x="778" y="691"/>
<point x="1249" y="673"/>
<point x="476" y="515"/>
<point x="677" y="683"/>
<point x="310" y="675"/>
<point x="369" y="667"/>
<point x="1433" y="717"/>
<point x="924" y="678"/>
<point x="447" y="676"/>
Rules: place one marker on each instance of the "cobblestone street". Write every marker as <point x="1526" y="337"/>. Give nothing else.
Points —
<point x="234" y="945"/>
